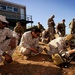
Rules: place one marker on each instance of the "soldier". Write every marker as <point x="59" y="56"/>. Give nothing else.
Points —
<point x="29" y="45"/>
<point x="51" y="26"/>
<point x="72" y="26"/>
<point x="45" y="36"/>
<point x="19" y="28"/>
<point x="18" y="31"/>
<point x="60" y="28"/>
<point x="7" y="41"/>
<point x="40" y="27"/>
<point x="58" y="49"/>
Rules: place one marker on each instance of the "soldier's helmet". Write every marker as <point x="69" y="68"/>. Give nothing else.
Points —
<point x="52" y="16"/>
<point x="18" y="23"/>
<point x="63" y="20"/>
<point x="73" y="19"/>
<point x="38" y="22"/>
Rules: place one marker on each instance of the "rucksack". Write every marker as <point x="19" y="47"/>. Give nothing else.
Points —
<point x="59" y="60"/>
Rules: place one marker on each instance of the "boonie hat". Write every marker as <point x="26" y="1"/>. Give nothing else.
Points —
<point x="3" y="19"/>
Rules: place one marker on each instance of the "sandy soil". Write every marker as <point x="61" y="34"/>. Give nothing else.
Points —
<point x="37" y="65"/>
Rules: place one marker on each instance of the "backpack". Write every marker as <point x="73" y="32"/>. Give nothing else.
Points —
<point x="59" y="60"/>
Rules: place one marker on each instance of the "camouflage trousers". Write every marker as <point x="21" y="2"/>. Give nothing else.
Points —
<point x="26" y="51"/>
<point x="51" y="31"/>
<point x="4" y="46"/>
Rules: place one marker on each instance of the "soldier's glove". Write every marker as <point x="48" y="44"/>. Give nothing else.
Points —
<point x="8" y="58"/>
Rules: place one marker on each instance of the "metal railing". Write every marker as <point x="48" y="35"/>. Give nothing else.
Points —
<point x="28" y="17"/>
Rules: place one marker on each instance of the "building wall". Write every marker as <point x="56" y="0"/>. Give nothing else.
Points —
<point x="11" y="14"/>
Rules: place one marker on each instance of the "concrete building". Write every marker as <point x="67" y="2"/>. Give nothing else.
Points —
<point x="14" y="13"/>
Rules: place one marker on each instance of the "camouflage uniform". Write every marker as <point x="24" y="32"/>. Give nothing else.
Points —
<point x="18" y="31"/>
<point x="60" y="28"/>
<point x="5" y="37"/>
<point x="45" y="36"/>
<point x="27" y="41"/>
<point x="58" y="50"/>
<point x="72" y="26"/>
<point x="58" y="45"/>
<point x="51" y="26"/>
<point x="40" y="27"/>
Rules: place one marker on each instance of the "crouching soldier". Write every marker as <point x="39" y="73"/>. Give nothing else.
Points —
<point x="29" y="45"/>
<point x="58" y="50"/>
<point x="7" y="41"/>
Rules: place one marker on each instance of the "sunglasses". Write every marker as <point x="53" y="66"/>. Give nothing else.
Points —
<point x="3" y="23"/>
<point x="38" y="34"/>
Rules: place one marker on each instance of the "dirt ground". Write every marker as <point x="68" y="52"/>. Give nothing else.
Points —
<point x="37" y="65"/>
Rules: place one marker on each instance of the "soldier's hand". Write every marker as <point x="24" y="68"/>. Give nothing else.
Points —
<point x="8" y="58"/>
<point x="34" y="50"/>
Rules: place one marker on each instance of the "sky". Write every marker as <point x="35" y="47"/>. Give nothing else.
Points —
<point x="41" y="10"/>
